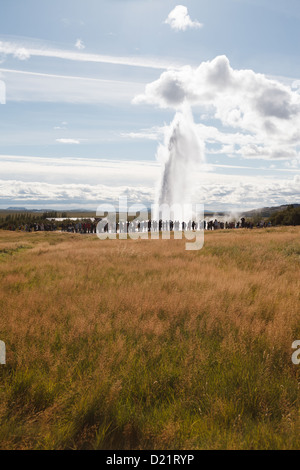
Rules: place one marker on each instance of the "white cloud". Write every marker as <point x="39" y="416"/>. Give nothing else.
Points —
<point x="22" y="54"/>
<point x="41" y="49"/>
<point x="80" y="181"/>
<point x="81" y="194"/>
<point x="179" y="19"/>
<point x="223" y="192"/>
<point x="263" y="115"/>
<point x="2" y="92"/>
<point x="68" y="141"/>
<point x="154" y="133"/>
<point x="42" y="87"/>
<point x="249" y="192"/>
<point x="79" y="170"/>
<point x="63" y="126"/>
<point x="79" y="45"/>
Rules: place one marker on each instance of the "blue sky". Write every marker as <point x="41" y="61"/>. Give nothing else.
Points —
<point x="72" y="136"/>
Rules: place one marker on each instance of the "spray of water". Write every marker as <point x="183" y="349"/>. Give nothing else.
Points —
<point x="181" y="156"/>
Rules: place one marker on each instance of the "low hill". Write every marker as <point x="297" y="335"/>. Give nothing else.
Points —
<point x="266" y="212"/>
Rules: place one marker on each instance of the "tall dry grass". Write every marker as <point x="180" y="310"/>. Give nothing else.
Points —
<point x="143" y="345"/>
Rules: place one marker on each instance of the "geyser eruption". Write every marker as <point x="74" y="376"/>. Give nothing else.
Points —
<point x="181" y="155"/>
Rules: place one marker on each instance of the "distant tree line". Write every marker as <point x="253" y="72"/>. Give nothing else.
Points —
<point x="288" y="216"/>
<point x="15" y="221"/>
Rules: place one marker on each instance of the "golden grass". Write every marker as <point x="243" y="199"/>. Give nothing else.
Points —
<point x="124" y="344"/>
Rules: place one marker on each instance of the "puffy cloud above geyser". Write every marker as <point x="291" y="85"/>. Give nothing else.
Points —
<point x="241" y="99"/>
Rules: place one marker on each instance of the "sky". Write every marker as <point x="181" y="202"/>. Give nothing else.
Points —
<point x="93" y="87"/>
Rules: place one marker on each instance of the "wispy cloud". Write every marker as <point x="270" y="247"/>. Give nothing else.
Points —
<point x="21" y="54"/>
<point x="79" y="170"/>
<point x="179" y="19"/>
<point x="68" y="141"/>
<point x="62" y="126"/>
<point x="154" y="133"/>
<point x="23" y="51"/>
<point x="42" y="87"/>
<point x="79" y="45"/>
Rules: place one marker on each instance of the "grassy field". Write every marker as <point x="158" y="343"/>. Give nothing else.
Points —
<point x="143" y="345"/>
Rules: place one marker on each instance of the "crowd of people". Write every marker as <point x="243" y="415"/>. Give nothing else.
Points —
<point x="89" y="226"/>
<point x="173" y="226"/>
<point x="81" y="227"/>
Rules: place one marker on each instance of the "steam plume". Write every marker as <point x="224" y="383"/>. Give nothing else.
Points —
<point x="182" y="153"/>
